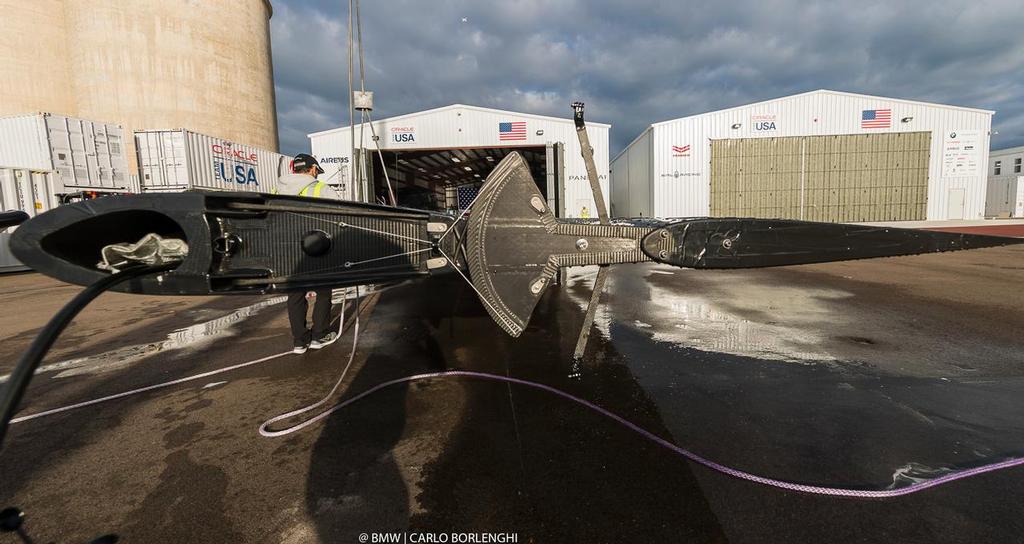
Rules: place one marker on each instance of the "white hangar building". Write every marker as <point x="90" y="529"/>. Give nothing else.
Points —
<point x="818" y="156"/>
<point x="1005" y="183"/>
<point x="437" y="159"/>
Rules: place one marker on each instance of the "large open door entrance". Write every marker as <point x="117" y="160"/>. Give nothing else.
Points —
<point x="448" y="179"/>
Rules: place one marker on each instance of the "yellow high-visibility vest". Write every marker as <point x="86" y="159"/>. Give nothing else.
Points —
<point x="316" y="185"/>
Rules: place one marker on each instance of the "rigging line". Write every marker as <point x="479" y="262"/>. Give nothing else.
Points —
<point x="515" y="419"/>
<point x="359" y="41"/>
<point x="383" y="166"/>
<point x="478" y="293"/>
<point x="350" y="264"/>
<point x="343" y="224"/>
<point x="463" y="215"/>
<point x="362" y="139"/>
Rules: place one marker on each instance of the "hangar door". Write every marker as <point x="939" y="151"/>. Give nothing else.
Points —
<point x="835" y="178"/>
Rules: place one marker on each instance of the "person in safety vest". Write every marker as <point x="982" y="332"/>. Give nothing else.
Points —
<point x="302" y="182"/>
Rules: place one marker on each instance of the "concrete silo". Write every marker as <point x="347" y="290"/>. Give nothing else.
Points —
<point x="33" y="58"/>
<point x="203" y="65"/>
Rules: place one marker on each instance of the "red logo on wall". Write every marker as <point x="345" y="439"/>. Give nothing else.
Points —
<point x="681" y="151"/>
<point x="234" y="153"/>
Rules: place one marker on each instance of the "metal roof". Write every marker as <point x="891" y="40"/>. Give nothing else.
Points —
<point x="827" y="91"/>
<point x="467" y="107"/>
<point x="1006" y="151"/>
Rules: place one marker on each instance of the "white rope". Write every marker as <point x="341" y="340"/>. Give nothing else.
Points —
<point x="478" y="293"/>
<point x="461" y="216"/>
<point x="187" y="378"/>
<point x="343" y="224"/>
<point x="265" y="427"/>
<point x="383" y="165"/>
<point x="350" y="264"/>
<point x="148" y="388"/>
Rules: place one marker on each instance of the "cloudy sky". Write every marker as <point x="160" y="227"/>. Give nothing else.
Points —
<point x="635" y="62"/>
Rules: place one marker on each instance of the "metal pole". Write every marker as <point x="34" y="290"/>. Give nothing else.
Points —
<point x="602" y="214"/>
<point x="352" y="112"/>
<point x="588" y="160"/>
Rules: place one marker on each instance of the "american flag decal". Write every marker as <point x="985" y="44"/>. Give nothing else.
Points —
<point x="876" y="118"/>
<point x="683" y="149"/>
<point x="466" y="194"/>
<point x="513" y="130"/>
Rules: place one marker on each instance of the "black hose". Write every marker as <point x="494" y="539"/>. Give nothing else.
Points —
<point x="29" y="362"/>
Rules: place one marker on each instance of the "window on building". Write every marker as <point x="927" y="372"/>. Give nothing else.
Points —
<point x="998" y="169"/>
<point x="1016" y="166"/>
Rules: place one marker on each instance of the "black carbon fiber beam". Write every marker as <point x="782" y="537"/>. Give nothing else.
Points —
<point x="722" y="243"/>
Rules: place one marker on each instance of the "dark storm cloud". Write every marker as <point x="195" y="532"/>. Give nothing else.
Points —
<point x="643" y="61"/>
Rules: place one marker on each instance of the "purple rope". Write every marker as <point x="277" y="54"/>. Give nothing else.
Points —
<point x="789" y="486"/>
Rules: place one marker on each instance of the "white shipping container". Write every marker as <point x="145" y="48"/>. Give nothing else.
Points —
<point x="84" y="155"/>
<point x="29" y="191"/>
<point x="178" y="160"/>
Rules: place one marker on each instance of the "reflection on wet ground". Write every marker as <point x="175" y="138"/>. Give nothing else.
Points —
<point x="854" y="374"/>
<point x="829" y="421"/>
<point x="777" y="379"/>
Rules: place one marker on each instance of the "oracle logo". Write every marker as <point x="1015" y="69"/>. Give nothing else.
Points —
<point x="238" y="154"/>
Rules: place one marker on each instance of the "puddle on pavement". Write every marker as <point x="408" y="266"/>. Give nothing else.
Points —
<point x="797" y="326"/>
<point x="191" y="337"/>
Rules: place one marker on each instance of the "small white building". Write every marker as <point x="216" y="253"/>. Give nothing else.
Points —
<point x="819" y="156"/>
<point x="434" y="157"/>
<point x="1005" y="183"/>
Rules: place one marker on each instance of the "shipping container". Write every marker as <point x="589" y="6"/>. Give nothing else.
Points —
<point x="8" y="263"/>
<point x="178" y="160"/>
<point x="29" y="191"/>
<point x="84" y="155"/>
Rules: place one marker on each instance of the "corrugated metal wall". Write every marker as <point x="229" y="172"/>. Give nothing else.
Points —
<point x="176" y="160"/>
<point x="839" y="178"/>
<point x="1003" y="195"/>
<point x="30" y="191"/>
<point x="86" y="155"/>
<point x="631" y="174"/>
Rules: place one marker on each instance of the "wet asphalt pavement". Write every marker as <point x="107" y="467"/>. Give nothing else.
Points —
<point x="847" y="374"/>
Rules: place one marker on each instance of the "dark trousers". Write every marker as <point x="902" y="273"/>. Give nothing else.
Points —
<point x="297" y="306"/>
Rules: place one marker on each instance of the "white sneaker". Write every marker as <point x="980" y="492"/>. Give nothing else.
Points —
<point x="299" y="350"/>
<point x="327" y="340"/>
